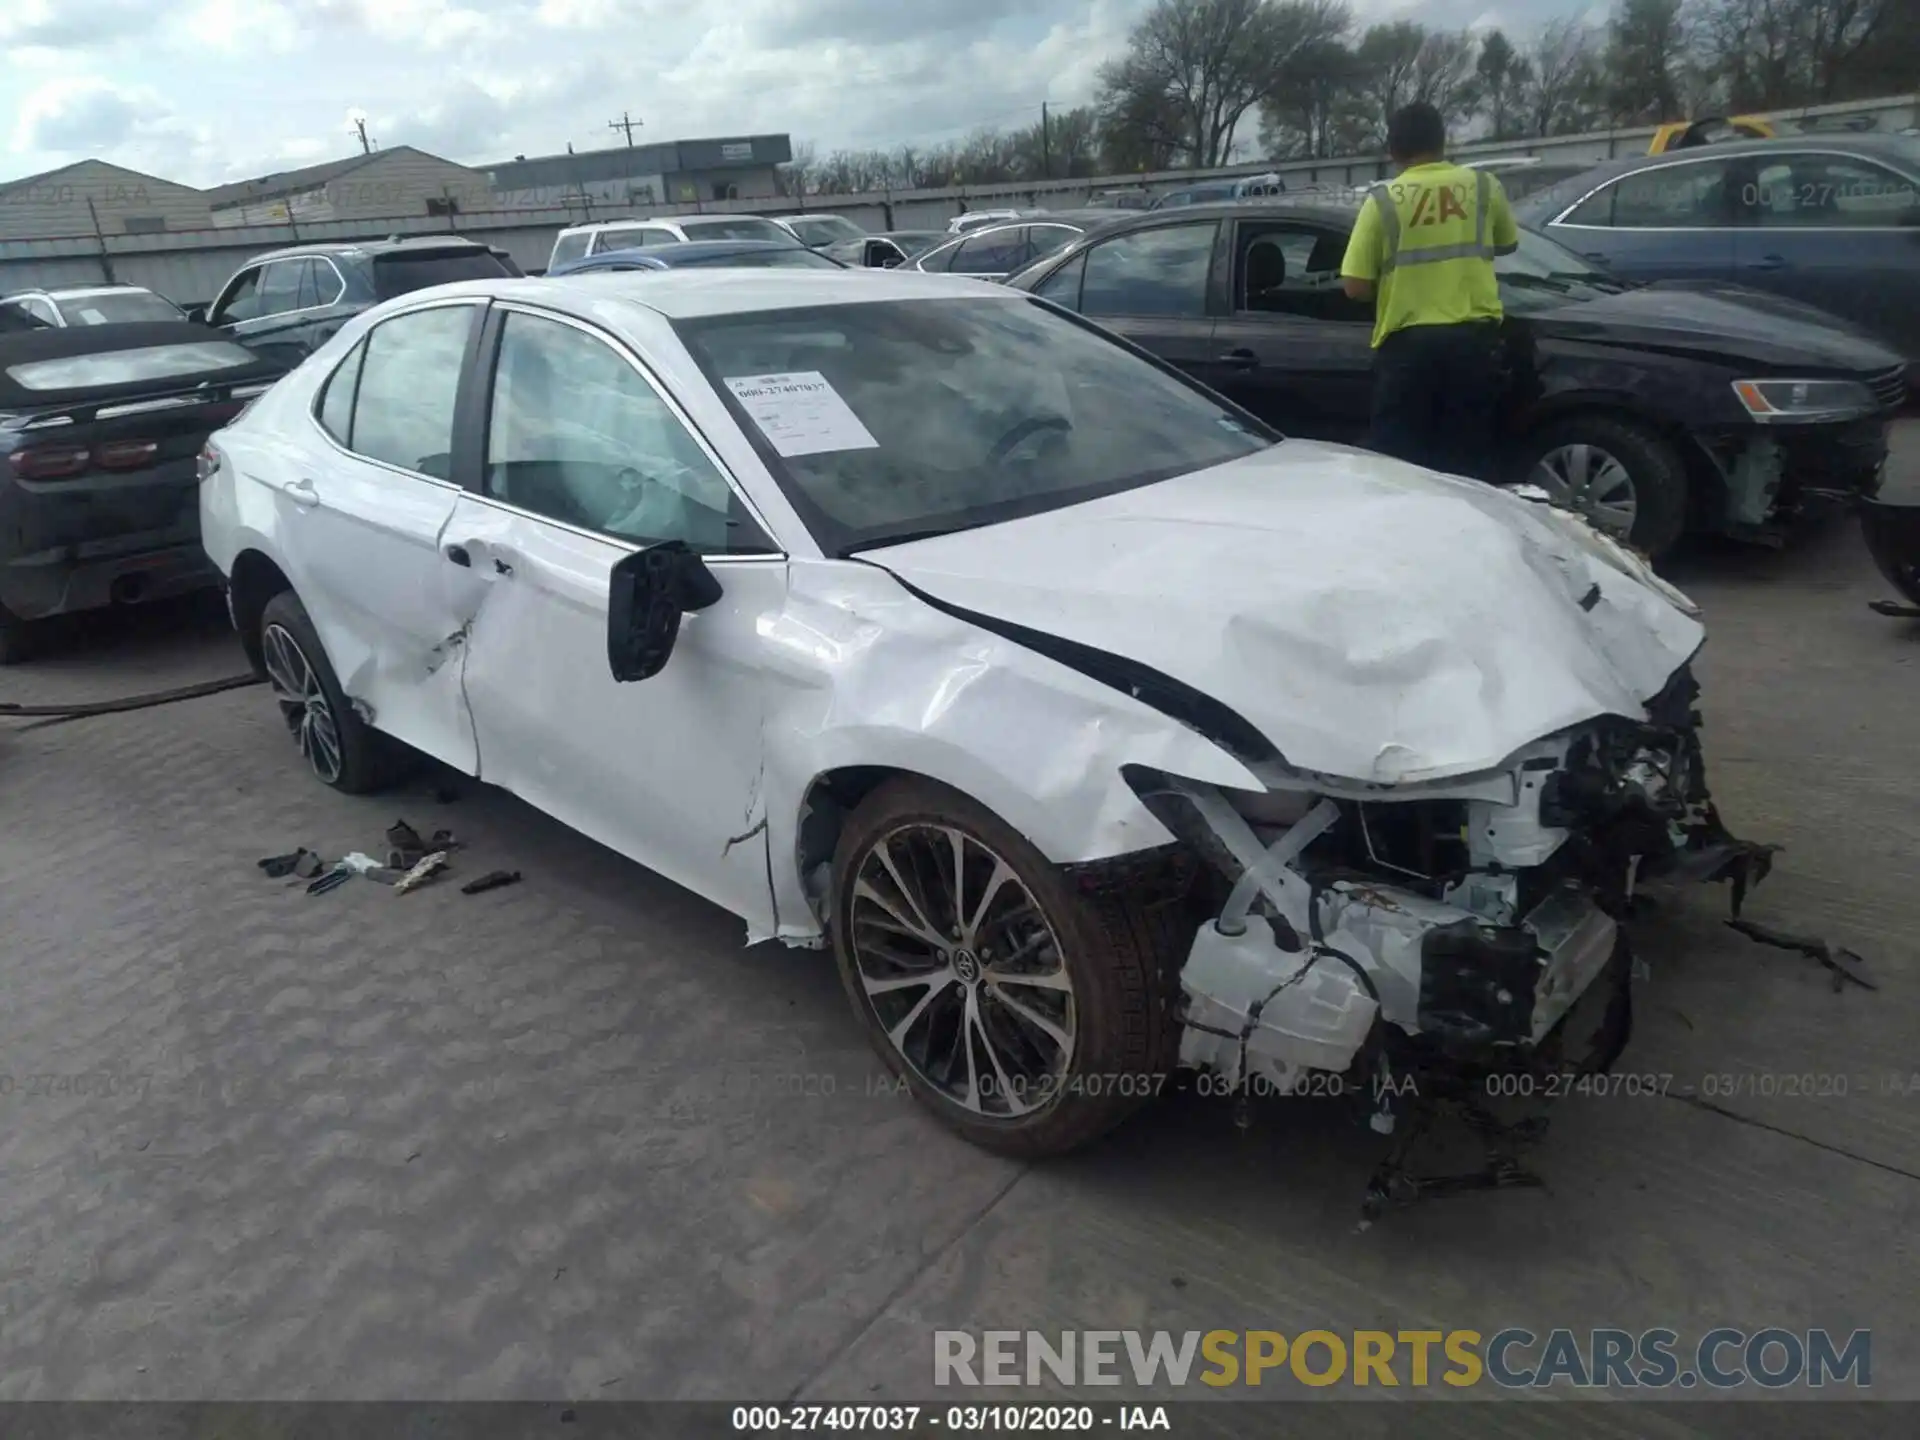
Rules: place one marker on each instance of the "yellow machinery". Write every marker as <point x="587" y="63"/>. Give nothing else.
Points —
<point x="1685" y="134"/>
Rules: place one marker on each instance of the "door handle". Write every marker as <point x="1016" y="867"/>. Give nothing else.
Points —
<point x="458" y="555"/>
<point x="301" y="492"/>
<point x="1769" y="262"/>
<point x="1241" y="359"/>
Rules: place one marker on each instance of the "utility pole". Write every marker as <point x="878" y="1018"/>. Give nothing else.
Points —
<point x="626" y="125"/>
<point x="360" y="128"/>
<point x="1046" y="145"/>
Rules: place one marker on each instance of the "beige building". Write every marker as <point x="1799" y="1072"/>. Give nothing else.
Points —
<point x="383" y="185"/>
<point x="91" y="197"/>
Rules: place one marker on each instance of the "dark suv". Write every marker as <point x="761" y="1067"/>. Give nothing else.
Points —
<point x="287" y="303"/>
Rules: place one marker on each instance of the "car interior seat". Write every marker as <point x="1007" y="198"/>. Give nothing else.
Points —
<point x="1266" y="274"/>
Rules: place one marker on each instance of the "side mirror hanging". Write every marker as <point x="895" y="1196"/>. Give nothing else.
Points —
<point x="647" y="594"/>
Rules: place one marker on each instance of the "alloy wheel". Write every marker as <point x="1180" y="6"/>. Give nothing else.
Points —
<point x="1592" y="483"/>
<point x="962" y="969"/>
<point x="303" y="701"/>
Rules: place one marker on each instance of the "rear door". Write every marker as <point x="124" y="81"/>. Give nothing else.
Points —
<point x="1840" y="232"/>
<point x="1673" y="220"/>
<point x="1150" y="285"/>
<point x="365" y="527"/>
<point x="1294" y="349"/>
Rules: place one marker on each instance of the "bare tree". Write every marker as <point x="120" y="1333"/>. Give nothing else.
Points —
<point x="1502" y="74"/>
<point x="1443" y="74"/>
<point x="1646" y="50"/>
<point x="1389" y="61"/>
<point x="1208" y="62"/>
<point x="1561" y="96"/>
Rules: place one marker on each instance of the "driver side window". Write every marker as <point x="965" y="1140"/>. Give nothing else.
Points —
<point x="242" y="301"/>
<point x="575" y="433"/>
<point x="1293" y="270"/>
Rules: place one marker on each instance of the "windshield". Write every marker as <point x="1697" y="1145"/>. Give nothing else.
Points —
<point x="117" y="306"/>
<point x="126" y="367"/>
<point x="826" y="229"/>
<point x="900" y="419"/>
<point x="402" y="274"/>
<point x="788" y="257"/>
<point x="737" y="227"/>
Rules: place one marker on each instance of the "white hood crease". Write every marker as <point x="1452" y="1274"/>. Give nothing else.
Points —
<point x="1375" y="621"/>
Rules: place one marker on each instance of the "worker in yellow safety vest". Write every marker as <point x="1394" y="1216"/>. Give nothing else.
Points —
<point x="1423" y="250"/>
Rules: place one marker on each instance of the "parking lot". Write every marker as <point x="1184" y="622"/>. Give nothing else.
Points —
<point x="569" y="1140"/>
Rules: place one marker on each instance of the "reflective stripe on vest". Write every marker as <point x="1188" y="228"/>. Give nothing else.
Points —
<point x="1390" y="227"/>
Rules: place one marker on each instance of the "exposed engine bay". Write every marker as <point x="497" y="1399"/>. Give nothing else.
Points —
<point x="1419" y="944"/>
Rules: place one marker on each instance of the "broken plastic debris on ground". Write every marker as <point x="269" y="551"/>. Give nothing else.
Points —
<point x="408" y="862"/>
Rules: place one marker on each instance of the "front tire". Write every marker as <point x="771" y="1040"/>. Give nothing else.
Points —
<point x="1619" y="475"/>
<point x="1029" y="1013"/>
<point x="341" y="749"/>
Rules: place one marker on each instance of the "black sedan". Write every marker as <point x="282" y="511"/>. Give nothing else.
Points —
<point x="1650" y="409"/>
<point x="101" y="427"/>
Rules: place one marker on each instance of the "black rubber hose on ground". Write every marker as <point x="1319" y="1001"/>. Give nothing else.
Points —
<point x="82" y="710"/>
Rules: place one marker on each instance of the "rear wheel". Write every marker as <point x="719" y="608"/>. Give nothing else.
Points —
<point x="1030" y="1014"/>
<point x="18" y="638"/>
<point x="1619" y="475"/>
<point x="341" y="749"/>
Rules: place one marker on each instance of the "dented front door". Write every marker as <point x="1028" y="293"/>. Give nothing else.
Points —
<point x="667" y="770"/>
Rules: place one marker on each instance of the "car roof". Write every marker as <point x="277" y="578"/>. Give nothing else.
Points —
<point x="690" y="293"/>
<point x="76" y="292"/>
<point x="668" y="257"/>
<point x="425" y="244"/>
<point x="1867" y="146"/>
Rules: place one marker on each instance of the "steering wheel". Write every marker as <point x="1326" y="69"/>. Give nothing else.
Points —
<point x="1032" y="425"/>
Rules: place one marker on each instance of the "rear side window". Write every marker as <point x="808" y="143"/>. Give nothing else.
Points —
<point x="994" y="252"/>
<point x="1063" y="286"/>
<point x="336" y="401"/>
<point x="568" y="247"/>
<point x="403" y="409"/>
<point x="402" y="274"/>
<point x="746" y="227"/>
<point x="633" y="237"/>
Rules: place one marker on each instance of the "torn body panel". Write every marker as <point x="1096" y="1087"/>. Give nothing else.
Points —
<point x="862" y="676"/>
<point x="1451" y="931"/>
<point x="1372" y="620"/>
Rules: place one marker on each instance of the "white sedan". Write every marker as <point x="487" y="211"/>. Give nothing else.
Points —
<point x="1099" y="730"/>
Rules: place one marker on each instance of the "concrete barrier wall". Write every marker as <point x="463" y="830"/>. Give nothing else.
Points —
<point x="191" y="266"/>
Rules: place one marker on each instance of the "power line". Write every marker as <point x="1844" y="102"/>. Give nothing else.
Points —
<point x="626" y="124"/>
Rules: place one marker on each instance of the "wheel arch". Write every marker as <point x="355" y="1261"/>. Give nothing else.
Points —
<point x="254" y="580"/>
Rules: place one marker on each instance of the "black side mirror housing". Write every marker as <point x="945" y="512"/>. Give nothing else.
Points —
<point x="197" y="313"/>
<point x="647" y="594"/>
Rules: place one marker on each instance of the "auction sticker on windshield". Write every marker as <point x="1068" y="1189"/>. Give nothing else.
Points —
<point x="801" y="413"/>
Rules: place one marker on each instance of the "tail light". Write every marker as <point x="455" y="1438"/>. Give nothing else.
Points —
<point x="50" y="462"/>
<point x="125" y="454"/>
<point x="209" y="462"/>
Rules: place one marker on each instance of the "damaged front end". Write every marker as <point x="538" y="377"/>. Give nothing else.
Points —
<point x="1419" y="941"/>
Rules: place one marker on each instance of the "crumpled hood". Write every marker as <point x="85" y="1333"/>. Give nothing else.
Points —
<point x="1374" y="620"/>
<point x="1720" y="321"/>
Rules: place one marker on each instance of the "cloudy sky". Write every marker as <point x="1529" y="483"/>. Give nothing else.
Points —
<point x="204" y="91"/>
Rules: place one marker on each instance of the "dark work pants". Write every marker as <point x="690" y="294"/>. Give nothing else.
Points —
<point x="1436" y="397"/>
